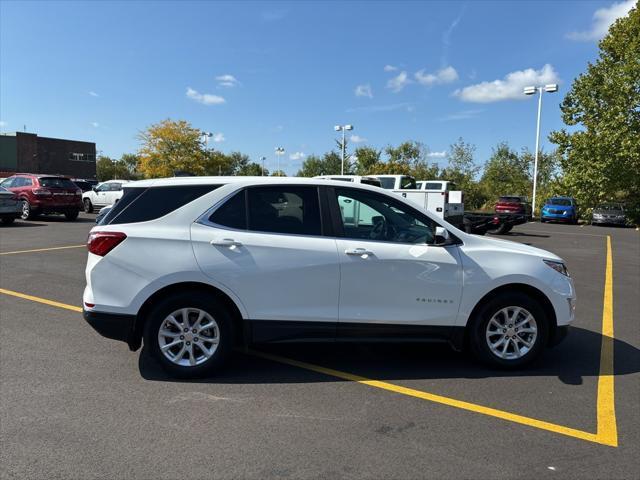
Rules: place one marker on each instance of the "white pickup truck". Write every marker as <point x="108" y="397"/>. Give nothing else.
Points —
<point x="434" y="196"/>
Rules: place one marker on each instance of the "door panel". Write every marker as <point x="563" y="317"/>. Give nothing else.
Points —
<point x="390" y="270"/>
<point x="277" y="277"/>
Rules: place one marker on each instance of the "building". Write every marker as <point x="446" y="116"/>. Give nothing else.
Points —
<point x="29" y="153"/>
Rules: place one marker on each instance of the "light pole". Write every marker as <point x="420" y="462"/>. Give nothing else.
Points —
<point x="262" y="159"/>
<point x="550" y="88"/>
<point x="343" y="129"/>
<point x="279" y="152"/>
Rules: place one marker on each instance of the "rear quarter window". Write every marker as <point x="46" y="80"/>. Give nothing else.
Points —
<point x="145" y="204"/>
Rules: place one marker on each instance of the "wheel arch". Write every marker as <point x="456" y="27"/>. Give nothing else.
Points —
<point x="511" y="288"/>
<point x="218" y="295"/>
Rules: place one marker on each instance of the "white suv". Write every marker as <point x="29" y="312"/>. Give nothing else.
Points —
<point x="103" y="194"/>
<point x="197" y="265"/>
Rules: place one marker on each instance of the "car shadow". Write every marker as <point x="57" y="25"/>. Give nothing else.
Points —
<point x="521" y="234"/>
<point x="60" y="219"/>
<point x="573" y="360"/>
<point x="21" y="224"/>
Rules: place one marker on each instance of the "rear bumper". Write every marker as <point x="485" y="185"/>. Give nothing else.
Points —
<point x="113" y="325"/>
<point x="47" y="206"/>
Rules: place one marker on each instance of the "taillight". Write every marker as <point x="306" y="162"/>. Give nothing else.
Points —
<point x="101" y="243"/>
<point x="496" y="220"/>
<point x="42" y="192"/>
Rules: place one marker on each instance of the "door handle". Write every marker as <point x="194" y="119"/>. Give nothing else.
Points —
<point x="225" y="242"/>
<point x="361" y="252"/>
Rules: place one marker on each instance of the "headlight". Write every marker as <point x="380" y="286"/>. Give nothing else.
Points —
<point x="597" y="215"/>
<point x="557" y="266"/>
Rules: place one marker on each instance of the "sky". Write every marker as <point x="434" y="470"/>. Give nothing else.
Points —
<point x="261" y="75"/>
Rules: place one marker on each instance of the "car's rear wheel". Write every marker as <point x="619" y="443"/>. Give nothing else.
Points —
<point x="71" y="215"/>
<point x="88" y="206"/>
<point x="27" y="211"/>
<point x="509" y="331"/>
<point x="189" y="335"/>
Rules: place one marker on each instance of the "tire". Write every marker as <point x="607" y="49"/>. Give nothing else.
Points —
<point x="71" y="215"/>
<point x="177" y="360"/>
<point x="27" y="211"/>
<point x="500" y="308"/>
<point x="8" y="220"/>
<point x="88" y="206"/>
<point x="502" y="229"/>
<point x="543" y="220"/>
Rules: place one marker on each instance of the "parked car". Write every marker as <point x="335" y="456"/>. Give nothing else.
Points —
<point x="45" y="194"/>
<point x="105" y="193"/>
<point x="397" y="182"/>
<point x="513" y="204"/>
<point x="102" y="213"/>
<point x="560" y="209"/>
<point x="84" y="185"/>
<point x="352" y="178"/>
<point x="251" y="260"/>
<point x="609" y="214"/>
<point x="10" y="206"/>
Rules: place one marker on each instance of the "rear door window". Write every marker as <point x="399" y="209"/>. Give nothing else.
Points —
<point x="284" y="209"/>
<point x="233" y="213"/>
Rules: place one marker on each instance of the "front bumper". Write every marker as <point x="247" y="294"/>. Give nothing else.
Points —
<point x="557" y="217"/>
<point x="609" y="221"/>
<point x="113" y="325"/>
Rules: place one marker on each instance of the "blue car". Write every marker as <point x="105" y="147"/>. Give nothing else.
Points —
<point x="560" y="209"/>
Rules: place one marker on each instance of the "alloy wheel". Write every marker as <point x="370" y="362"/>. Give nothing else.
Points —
<point x="511" y="333"/>
<point x="26" y="210"/>
<point x="188" y="337"/>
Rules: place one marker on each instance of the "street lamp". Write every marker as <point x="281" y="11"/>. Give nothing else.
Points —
<point x="550" y="88"/>
<point x="343" y="129"/>
<point x="262" y="159"/>
<point x="279" y="153"/>
<point x="206" y="136"/>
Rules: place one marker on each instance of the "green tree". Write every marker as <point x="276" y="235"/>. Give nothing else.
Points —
<point x="252" y="170"/>
<point x="367" y="159"/>
<point x="278" y="173"/>
<point x="171" y="146"/>
<point x="104" y="168"/>
<point x="505" y="173"/>
<point x="463" y="171"/>
<point x="601" y="158"/>
<point x="329" y="164"/>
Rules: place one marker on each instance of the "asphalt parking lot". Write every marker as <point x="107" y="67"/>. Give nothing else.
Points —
<point x="76" y="405"/>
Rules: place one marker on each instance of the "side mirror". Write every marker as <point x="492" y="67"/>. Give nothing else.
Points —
<point x="94" y="188"/>
<point x="442" y="236"/>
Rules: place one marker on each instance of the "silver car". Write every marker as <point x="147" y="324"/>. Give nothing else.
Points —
<point x="609" y="214"/>
<point x="10" y="206"/>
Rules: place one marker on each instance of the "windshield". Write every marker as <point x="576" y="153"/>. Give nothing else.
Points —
<point x="609" y="206"/>
<point x="565" y="202"/>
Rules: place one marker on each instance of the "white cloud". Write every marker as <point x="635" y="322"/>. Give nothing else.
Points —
<point x="227" y="80"/>
<point x="398" y="82"/>
<point x="509" y="88"/>
<point x="381" y="108"/>
<point x="218" y="137"/>
<point x="390" y="68"/>
<point x="463" y="115"/>
<point x="93" y="94"/>
<point x="444" y="75"/>
<point x="364" y="91"/>
<point x="297" y="156"/>
<point x="204" y="98"/>
<point x="95" y="124"/>
<point x="441" y="154"/>
<point x="602" y="20"/>
<point x="357" y="139"/>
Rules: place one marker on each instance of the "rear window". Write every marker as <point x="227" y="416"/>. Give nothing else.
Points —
<point x="408" y="183"/>
<point x="433" y="186"/>
<point x="510" y="199"/>
<point x="371" y="181"/>
<point x="142" y="205"/>
<point x="387" y="183"/>
<point x="285" y="209"/>
<point x="56" y="182"/>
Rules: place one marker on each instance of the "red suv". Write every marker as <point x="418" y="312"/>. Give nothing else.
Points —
<point x="514" y="204"/>
<point x="45" y="194"/>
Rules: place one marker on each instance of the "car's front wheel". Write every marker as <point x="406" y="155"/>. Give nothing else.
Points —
<point x="509" y="331"/>
<point x="27" y="211"/>
<point x="71" y="215"/>
<point x="88" y="206"/>
<point x="189" y="335"/>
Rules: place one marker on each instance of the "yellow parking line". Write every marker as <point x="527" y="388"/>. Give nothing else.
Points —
<point x="43" y="249"/>
<point x="41" y="300"/>
<point x="607" y="432"/>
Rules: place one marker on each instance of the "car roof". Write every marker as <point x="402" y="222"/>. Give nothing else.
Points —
<point x="39" y="175"/>
<point x="245" y="181"/>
